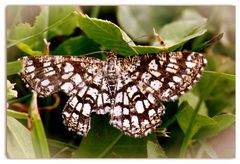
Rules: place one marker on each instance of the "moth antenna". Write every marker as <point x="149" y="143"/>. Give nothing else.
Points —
<point x="96" y="52"/>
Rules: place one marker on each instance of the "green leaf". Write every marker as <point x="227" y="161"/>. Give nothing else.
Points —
<point x="176" y="33"/>
<point x="14" y="67"/>
<point x="107" y="34"/>
<point x="111" y="37"/>
<point x="221" y="75"/>
<point x="57" y="13"/>
<point x="222" y="64"/>
<point x="153" y="49"/>
<point x="27" y="33"/>
<point x="129" y="147"/>
<point x="76" y="46"/>
<point x="16" y="114"/>
<point x="215" y="95"/>
<point x="60" y="145"/>
<point x="19" y="143"/>
<point x="200" y="121"/>
<point x="22" y="99"/>
<point x="38" y="134"/>
<point x="207" y="84"/>
<point x="100" y="139"/>
<point x="135" y="19"/>
<point x="208" y="43"/>
<point x="105" y="141"/>
<point x="206" y="131"/>
<point x="60" y="149"/>
<point x="11" y="93"/>
<point x="154" y="150"/>
<point x="224" y="121"/>
<point x="204" y="126"/>
<point x="49" y="20"/>
<point x="27" y="49"/>
<point x="200" y="126"/>
<point x="193" y="100"/>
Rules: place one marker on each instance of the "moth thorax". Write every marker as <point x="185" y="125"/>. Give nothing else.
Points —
<point x="111" y="74"/>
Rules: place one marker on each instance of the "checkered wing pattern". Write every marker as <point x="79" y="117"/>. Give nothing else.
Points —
<point x="145" y="82"/>
<point x="131" y="89"/>
<point x="81" y="78"/>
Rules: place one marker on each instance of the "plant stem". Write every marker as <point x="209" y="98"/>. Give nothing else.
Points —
<point x="39" y="138"/>
<point x="188" y="135"/>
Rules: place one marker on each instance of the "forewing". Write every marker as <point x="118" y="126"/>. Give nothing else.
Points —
<point x="168" y="75"/>
<point x="49" y="74"/>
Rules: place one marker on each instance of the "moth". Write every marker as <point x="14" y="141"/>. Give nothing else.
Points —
<point x="131" y="89"/>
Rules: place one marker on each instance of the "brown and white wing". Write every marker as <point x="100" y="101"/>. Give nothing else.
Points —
<point x="145" y="82"/>
<point x="172" y="74"/>
<point x="135" y="112"/>
<point x="92" y="97"/>
<point x="81" y="78"/>
<point x="49" y="74"/>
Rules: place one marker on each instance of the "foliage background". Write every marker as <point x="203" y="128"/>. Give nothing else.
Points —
<point x="199" y="125"/>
